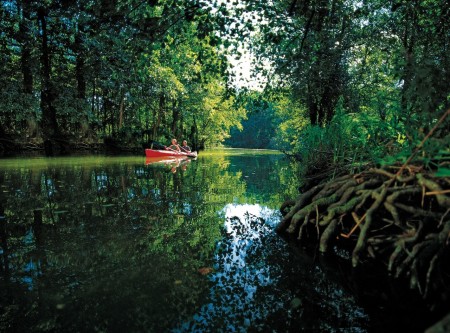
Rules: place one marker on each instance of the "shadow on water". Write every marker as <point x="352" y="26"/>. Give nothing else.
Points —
<point x="123" y="245"/>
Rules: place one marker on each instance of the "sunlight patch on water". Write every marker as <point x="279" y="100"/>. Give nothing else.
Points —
<point x="270" y="216"/>
<point x="241" y="274"/>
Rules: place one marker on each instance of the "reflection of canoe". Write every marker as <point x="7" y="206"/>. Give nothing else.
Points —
<point x="165" y="153"/>
<point x="173" y="162"/>
<point x="165" y="159"/>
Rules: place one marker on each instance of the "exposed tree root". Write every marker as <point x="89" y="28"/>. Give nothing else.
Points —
<point x="399" y="215"/>
<point x="401" y="218"/>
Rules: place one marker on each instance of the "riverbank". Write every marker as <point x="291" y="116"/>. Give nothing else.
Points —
<point x="56" y="147"/>
<point x="396" y="215"/>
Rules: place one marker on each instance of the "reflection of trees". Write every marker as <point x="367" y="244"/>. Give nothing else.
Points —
<point x="185" y="205"/>
<point x="123" y="250"/>
<point x="266" y="177"/>
<point x="118" y="242"/>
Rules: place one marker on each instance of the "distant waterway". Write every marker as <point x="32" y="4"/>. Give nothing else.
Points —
<point x="127" y="244"/>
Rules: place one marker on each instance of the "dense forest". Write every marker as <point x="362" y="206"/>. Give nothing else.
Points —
<point x="80" y="73"/>
<point x="366" y="77"/>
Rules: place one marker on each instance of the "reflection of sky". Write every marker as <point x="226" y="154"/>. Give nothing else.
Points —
<point x="102" y="181"/>
<point x="31" y="269"/>
<point x="250" y="283"/>
<point x="50" y="187"/>
<point x="240" y="271"/>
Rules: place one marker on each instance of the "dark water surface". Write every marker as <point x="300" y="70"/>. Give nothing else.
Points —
<point x="117" y="244"/>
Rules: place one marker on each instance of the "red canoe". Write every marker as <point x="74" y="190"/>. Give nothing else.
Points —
<point x="167" y="153"/>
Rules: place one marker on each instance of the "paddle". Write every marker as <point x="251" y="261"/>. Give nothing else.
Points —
<point x="157" y="145"/>
<point x="168" y="148"/>
<point x="185" y="150"/>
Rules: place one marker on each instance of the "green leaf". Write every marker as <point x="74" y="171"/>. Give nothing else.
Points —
<point x="442" y="172"/>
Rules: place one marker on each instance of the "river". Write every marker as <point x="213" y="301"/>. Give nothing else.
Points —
<point x="127" y="244"/>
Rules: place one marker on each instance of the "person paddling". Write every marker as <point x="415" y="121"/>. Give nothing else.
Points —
<point x="185" y="147"/>
<point x="174" y="146"/>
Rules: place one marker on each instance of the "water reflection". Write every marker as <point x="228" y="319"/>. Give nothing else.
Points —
<point x="240" y="272"/>
<point x="123" y="245"/>
<point x="112" y="244"/>
<point x="250" y="291"/>
<point x="173" y="163"/>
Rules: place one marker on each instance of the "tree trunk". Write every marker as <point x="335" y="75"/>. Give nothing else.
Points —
<point x="79" y="67"/>
<point x="408" y="41"/>
<point x="194" y="135"/>
<point x="121" y="109"/>
<point x="324" y="76"/>
<point x="158" y="116"/>
<point x="107" y="108"/>
<point x="94" y="110"/>
<point x="49" y="123"/>
<point x="175" y="118"/>
<point x="25" y="40"/>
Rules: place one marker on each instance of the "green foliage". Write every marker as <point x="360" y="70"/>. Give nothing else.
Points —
<point x="442" y="172"/>
<point x="291" y="117"/>
<point x="214" y="114"/>
<point x="351" y="141"/>
<point x="383" y="65"/>
<point x="259" y="129"/>
<point x="432" y="152"/>
<point x="344" y="145"/>
<point x="121" y="70"/>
